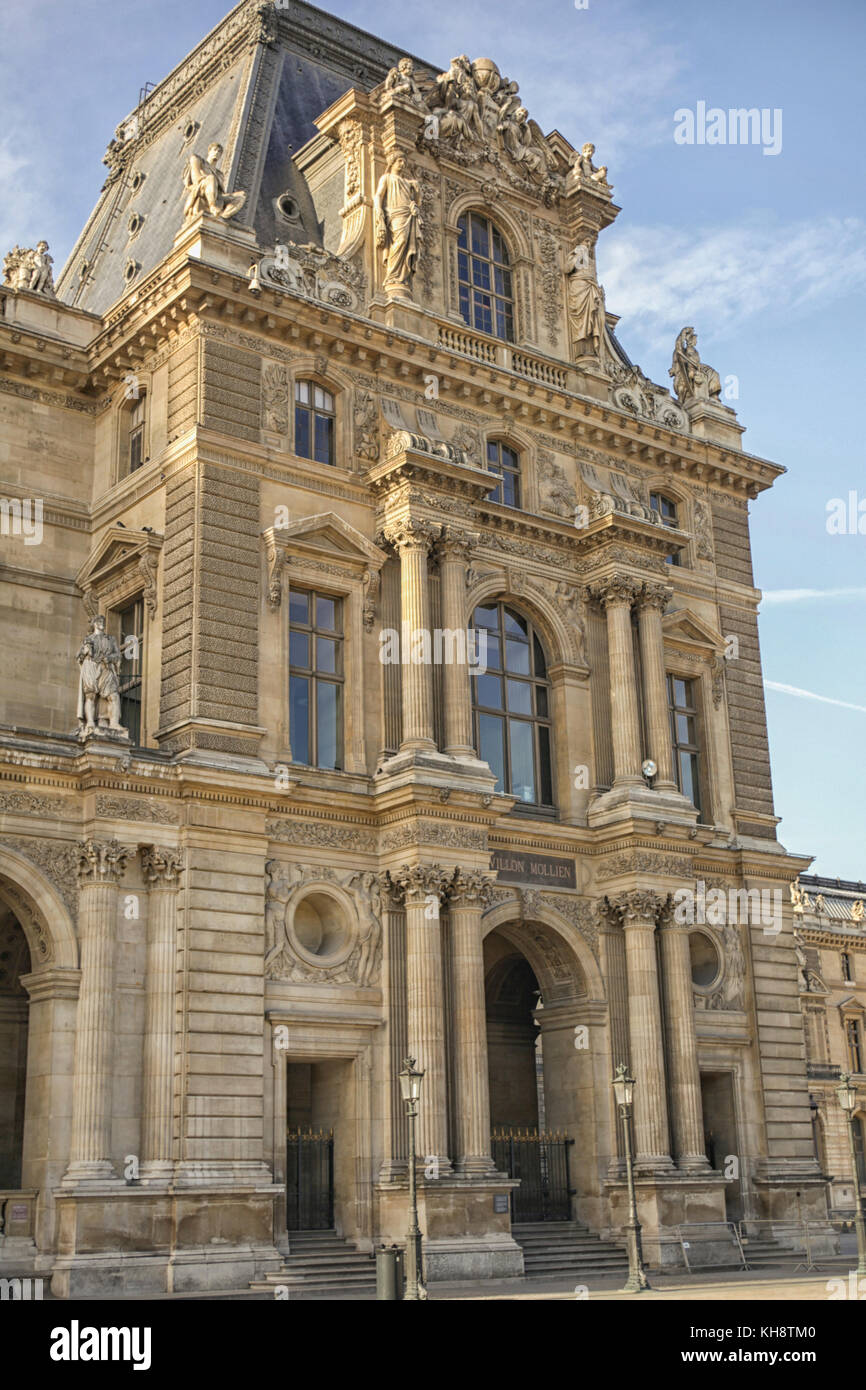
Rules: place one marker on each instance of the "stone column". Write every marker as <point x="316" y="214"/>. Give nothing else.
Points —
<point x="413" y="540"/>
<point x="454" y="550"/>
<point x="423" y="887"/>
<point x="639" y="910"/>
<point x="161" y="869"/>
<point x="617" y="593"/>
<point x="611" y="944"/>
<point x="100" y="867"/>
<point x="469" y="893"/>
<point x="652" y="602"/>
<point x="394" y="1001"/>
<point x="684" y="1088"/>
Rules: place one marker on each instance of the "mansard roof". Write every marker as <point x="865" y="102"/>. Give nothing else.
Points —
<point x="254" y="85"/>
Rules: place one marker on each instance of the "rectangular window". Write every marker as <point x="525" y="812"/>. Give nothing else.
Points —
<point x="315" y="420"/>
<point x="684" y="737"/>
<point x="855" y="1044"/>
<point x="136" y="445"/>
<point x="846" y="968"/>
<point x="130" y="636"/>
<point x="316" y="679"/>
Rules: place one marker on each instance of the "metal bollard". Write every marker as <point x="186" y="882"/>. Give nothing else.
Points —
<point x="386" y="1273"/>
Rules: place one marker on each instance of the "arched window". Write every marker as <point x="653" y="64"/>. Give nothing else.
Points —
<point x="506" y="463"/>
<point x="667" y="510"/>
<point x="315" y="421"/>
<point x="484" y="277"/>
<point x="511" y="703"/>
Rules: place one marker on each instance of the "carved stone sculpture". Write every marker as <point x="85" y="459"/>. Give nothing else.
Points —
<point x="26" y="269"/>
<point x="207" y="194"/>
<point x="583" y="168"/>
<point x="585" y="305"/>
<point x="99" y="681"/>
<point x="397" y="211"/>
<point x="693" y="379"/>
<point x="402" y="82"/>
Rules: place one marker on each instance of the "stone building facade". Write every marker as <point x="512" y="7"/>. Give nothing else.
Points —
<point x="426" y="716"/>
<point x="830" y="941"/>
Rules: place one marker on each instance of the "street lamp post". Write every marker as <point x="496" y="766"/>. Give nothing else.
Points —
<point x="846" y="1094"/>
<point x="410" y="1089"/>
<point x="623" y="1089"/>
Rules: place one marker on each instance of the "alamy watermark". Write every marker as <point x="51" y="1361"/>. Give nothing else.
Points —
<point x="422" y="646"/>
<point x="22" y="517"/>
<point x="714" y="907"/>
<point x="737" y="126"/>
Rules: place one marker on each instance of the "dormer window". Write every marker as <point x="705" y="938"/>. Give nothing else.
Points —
<point x="484" y="277"/>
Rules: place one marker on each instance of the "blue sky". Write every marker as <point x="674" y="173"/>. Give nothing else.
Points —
<point x="764" y="255"/>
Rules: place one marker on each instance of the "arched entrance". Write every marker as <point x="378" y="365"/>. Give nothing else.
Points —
<point x="39" y="979"/>
<point x="14" y="1016"/>
<point x="549" y="1067"/>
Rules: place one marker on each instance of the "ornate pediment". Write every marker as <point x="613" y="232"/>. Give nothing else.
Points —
<point x="123" y="563"/>
<point x="683" y="628"/>
<point x="471" y="114"/>
<point x="325" y="536"/>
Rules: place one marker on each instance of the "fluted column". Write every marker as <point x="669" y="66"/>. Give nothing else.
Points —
<point x="639" y="911"/>
<point x="161" y="869"/>
<point x="423" y="887"/>
<point x="100" y="867"/>
<point x="617" y="593"/>
<point x="469" y="893"/>
<point x="652" y="602"/>
<point x="394" y="1000"/>
<point x="611" y="943"/>
<point x="454" y="550"/>
<point x="684" y="1077"/>
<point x="413" y="539"/>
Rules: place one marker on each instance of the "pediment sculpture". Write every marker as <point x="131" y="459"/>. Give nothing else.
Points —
<point x="26" y="269"/>
<point x="471" y="113"/>
<point x="311" y="271"/>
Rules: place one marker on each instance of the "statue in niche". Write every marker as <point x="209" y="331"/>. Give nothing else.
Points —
<point x="693" y="379"/>
<point x="585" y="304"/>
<point x="207" y="194"/>
<point x="99" y="681"/>
<point x="397" y="214"/>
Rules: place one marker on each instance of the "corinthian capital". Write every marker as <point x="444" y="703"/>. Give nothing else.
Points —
<point x="641" y="906"/>
<point x="615" y="589"/>
<point x="101" y="861"/>
<point x="161" y="867"/>
<point x="457" y="543"/>
<point x="471" y="888"/>
<point x="412" y="533"/>
<point x="419" y="882"/>
<point x="655" y="596"/>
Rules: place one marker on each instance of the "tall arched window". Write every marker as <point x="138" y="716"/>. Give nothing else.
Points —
<point x="484" y="277"/>
<point x="505" y="463"/>
<point x="511" y="703"/>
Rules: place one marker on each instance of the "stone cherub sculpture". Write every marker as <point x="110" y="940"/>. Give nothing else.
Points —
<point x="586" y="311"/>
<point x="99" y="681"/>
<point x="693" y="379"/>
<point x="402" y="82"/>
<point x="207" y="194"/>
<point x="397" y="215"/>
<point x="26" y="269"/>
<point x="583" y="167"/>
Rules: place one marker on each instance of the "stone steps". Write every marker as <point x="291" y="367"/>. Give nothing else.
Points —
<point x="567" y="1248"/>
<point x="321" y="1261"/>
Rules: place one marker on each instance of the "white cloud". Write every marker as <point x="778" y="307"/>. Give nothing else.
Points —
<point x="801" y="595"/>
<point x="810" y="695"/>
<point x="659" y="278"/>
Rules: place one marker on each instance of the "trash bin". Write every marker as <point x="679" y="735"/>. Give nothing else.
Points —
<point x="386" y="1273"/>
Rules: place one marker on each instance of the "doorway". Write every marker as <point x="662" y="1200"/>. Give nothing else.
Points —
<point x="320" y="1164"/>
<point x="14" y="1020"/>
<point x="720" y="1137"/>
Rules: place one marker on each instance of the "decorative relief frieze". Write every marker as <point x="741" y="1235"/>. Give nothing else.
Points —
<point x="431" y="832"/>
<point x="644" y="862"/>
<point x="137" y="809"/>
<point x="57" y="860"/>
<point x="320" y="834"/>
<point x="33" y="804"/>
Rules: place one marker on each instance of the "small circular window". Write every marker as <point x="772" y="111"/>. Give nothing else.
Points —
<point x="136" y="181"/>
<point x="135" y="223"/>
<point x="130" y="270"/>
<point x="288" y="205"/>
<point x="190" y="129"/>
<point x="321" y="930"/>
<point x="705" y="958"/>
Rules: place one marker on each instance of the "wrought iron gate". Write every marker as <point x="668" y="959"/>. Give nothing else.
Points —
<point x="540" y="1161"/>
<point x="309" y="1180"/>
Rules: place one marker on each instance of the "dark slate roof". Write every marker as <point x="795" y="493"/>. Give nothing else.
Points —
<point x="255" y="84"/>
